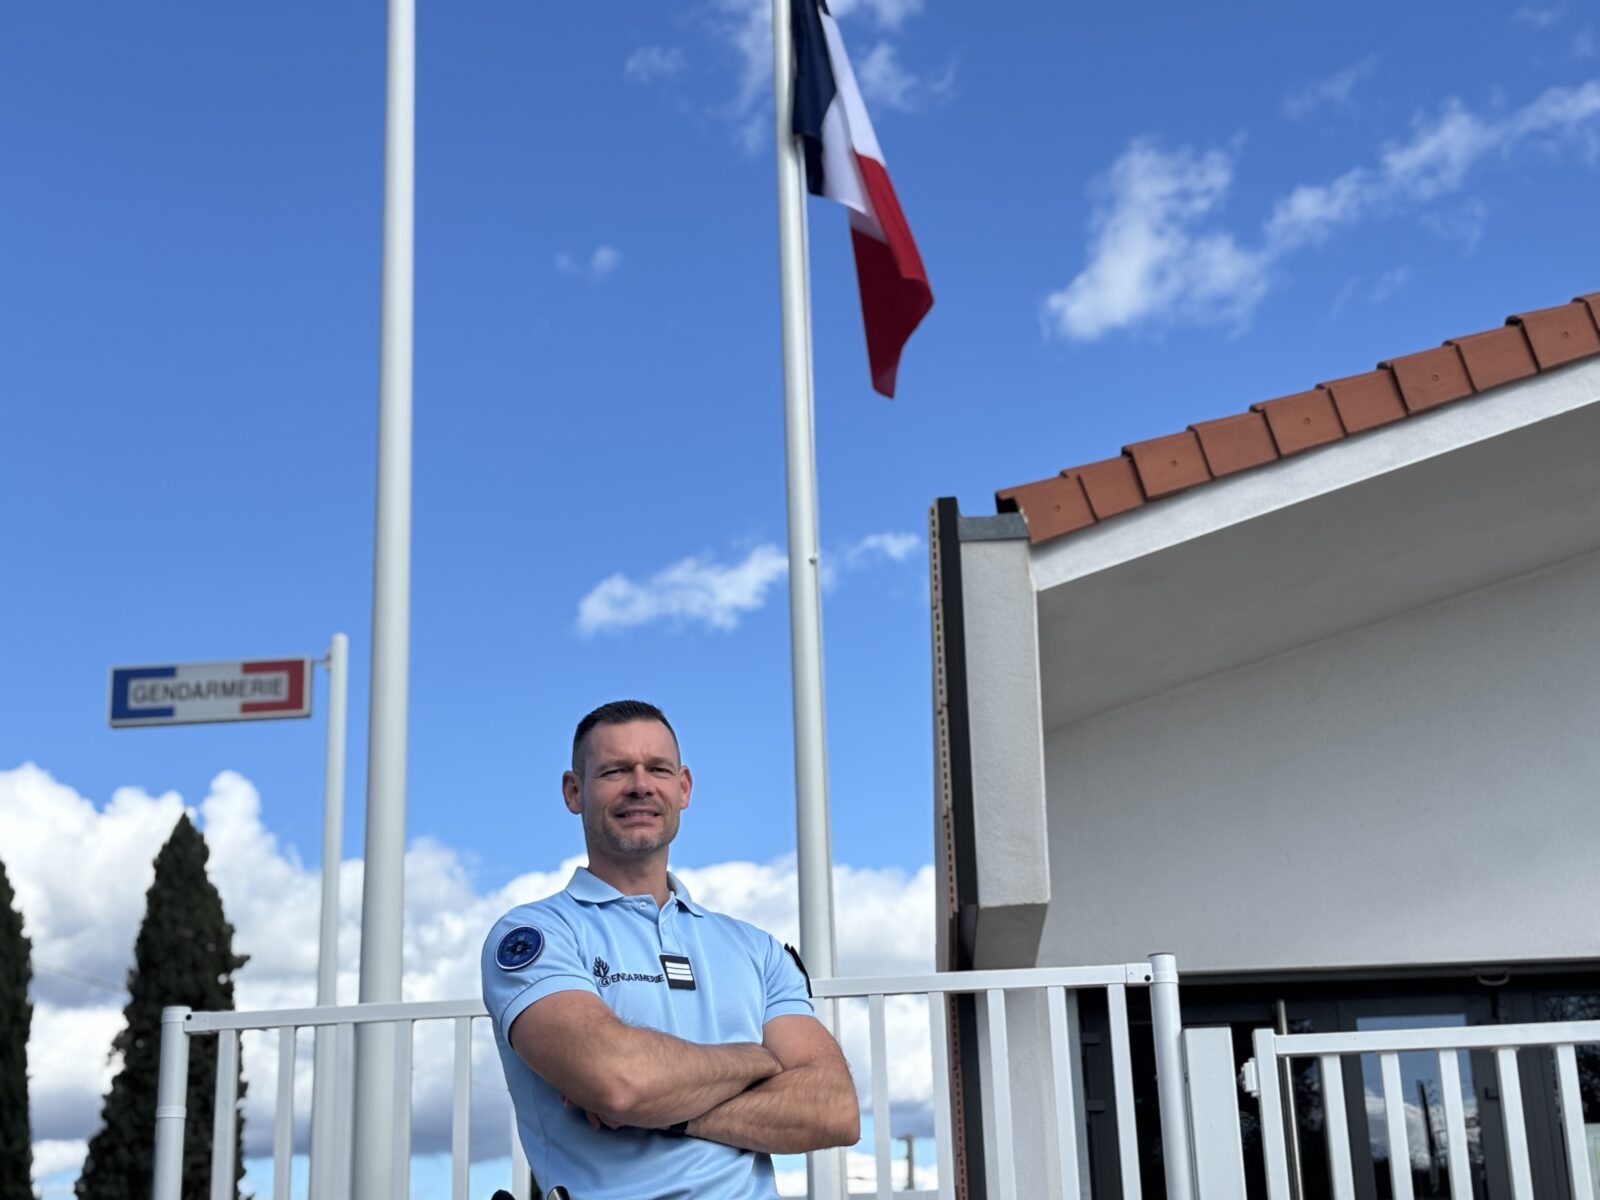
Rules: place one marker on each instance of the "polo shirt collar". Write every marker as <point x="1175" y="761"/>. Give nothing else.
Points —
<point x="588" y="888"/>
<point x="682" y="894"/>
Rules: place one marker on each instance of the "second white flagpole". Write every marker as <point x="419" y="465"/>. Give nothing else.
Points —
<point x="381" y="1095"/>
<point x="813" y="854"/>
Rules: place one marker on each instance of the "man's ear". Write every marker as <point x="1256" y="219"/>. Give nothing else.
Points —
<point x="572" y="791"/>
<point x="687" y="780"/>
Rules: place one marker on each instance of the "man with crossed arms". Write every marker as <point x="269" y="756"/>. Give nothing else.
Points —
<point x="655" y="1050"/>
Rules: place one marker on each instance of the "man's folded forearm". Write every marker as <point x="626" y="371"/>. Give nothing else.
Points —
<point x="807" y="1108"/>
<point x="666" y="1080"/>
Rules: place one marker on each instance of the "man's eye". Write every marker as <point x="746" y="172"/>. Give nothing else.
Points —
<point x="662" y="770"/>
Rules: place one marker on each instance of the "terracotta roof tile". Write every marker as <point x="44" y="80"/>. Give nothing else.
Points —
<point x="1431" y="378"/>
<point x="1301" y="421"/>
<point x="1593" y="301"/>
<point x="1496" y="356"/>
<point x="1236" y="443"/>
<point x="1560" y="335"/>
<point x="1053" y="506"/>
<point x="1366" y="401"/>
<point x="1111" y="485"/>
<point x="1169" y="464"/>
<point x="1528" y="343"/>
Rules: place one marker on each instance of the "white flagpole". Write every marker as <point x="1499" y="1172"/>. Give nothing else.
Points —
<point x="324" y="1115"/>
<point x="814" y="863"/>
<point x="377" y="1176"/>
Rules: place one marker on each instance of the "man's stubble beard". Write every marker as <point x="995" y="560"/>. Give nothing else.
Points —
<point x="632" y="845"/>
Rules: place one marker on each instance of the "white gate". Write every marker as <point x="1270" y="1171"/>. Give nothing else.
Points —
<point x="1215" y="1112"/>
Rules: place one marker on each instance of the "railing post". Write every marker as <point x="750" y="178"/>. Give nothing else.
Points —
<point x="1167" y="1024"/>
<point x="1214" y="1113"/>
<point x="172" y="1089"/>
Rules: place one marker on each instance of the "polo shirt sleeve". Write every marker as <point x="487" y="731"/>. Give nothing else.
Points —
<point x="520" y="968"/>
<point x="788" y="991"/>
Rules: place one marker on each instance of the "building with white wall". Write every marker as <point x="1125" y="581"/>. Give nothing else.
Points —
<point x="1308" y="696"/>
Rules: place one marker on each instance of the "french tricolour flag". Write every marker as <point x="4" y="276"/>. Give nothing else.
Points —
<point x="843" y="163"/>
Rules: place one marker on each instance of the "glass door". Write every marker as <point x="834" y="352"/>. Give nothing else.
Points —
<point x="1541" y="1090"/>
<point x="1427" y="1137"/>
<point x="1317" y="1007"/>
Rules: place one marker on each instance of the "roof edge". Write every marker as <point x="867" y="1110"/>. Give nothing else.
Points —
<point x="1343" y="464"/>
<point x="1007" y="526"/>
<point x="1531" y="343"/>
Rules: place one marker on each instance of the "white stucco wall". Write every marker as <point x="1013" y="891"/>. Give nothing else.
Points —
<point x="1425" y="790"/>
<point x="1007" y="733"/>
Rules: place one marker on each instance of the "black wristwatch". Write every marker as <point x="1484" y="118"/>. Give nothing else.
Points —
<point x="681" y="1129"/>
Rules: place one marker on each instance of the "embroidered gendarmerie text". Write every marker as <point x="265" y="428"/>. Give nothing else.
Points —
<point x="605" y="976"/>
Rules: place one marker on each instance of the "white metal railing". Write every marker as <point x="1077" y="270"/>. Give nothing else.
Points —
<point x="1057" y="1060"/>
<point x="1262" y="1078"/>
<point x="329" y="1179"/>
<point x="1058" y="988"/>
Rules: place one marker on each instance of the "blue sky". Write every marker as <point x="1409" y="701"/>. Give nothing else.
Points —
<point x="188" y="324"/>
<point x="1130" y="222"/>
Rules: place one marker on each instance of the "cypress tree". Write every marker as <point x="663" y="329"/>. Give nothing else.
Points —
<point x="184" y="955"/>
<point x="16" y="1015"/>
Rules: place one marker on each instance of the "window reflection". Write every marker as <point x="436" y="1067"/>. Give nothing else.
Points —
<point x="1584" y="1008"/>
<point x="1427" y="1135"/>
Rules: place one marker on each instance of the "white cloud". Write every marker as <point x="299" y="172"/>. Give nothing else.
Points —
<point x="883" y="79"/>
<point x="695" y="590"/>
<point x="1344" y="295"/>
<point x="869" y="551"/>
<point x="1433" y="162"/>
<point x="55" y="1157"/>
<point x="1463" y="223"/>
<point x="746" y="28"/>
<point x="888" y="14"/>
<point x="1437" y="156"/>
<point x="1389" y="283"/>
<point x="1421" y="1133"/>
<point x="884" y="82"/>
<point x="1539" y="16"/>
<point x="1147" y="259"/>
<point x="597" y="268"/>
<point x="56" y="838"/>
<point x="1375" y="292"/>
<point x="603" y="261"/>
<point x="896" y="547"/>
<point x="648" y="64"/>
<point x="1310" y="213"/>
<point x="1334" y="91"/>
<point x="1157" y="251"/>
<point x="700" y="590"/>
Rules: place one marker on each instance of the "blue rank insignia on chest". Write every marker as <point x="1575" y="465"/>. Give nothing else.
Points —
<point x="679" y="973"/>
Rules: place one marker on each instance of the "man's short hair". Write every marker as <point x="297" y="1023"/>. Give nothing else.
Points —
<point x="617" y="712"/>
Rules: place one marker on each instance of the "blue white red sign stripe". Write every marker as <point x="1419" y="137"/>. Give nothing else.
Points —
<point x="844" y="163"/>
<point x="186" y="693"/>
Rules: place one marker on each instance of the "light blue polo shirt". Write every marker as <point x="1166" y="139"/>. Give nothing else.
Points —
<point x="641" y="960"/>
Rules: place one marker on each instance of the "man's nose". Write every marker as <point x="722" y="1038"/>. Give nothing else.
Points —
<point x="639" y="780"/>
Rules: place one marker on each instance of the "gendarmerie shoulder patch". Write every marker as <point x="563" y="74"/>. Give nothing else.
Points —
<point x="519" y="948"/>
<point x="799" y="962"/>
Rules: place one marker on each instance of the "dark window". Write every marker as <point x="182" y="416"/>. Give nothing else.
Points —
<point x="1328" y="1006"/>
